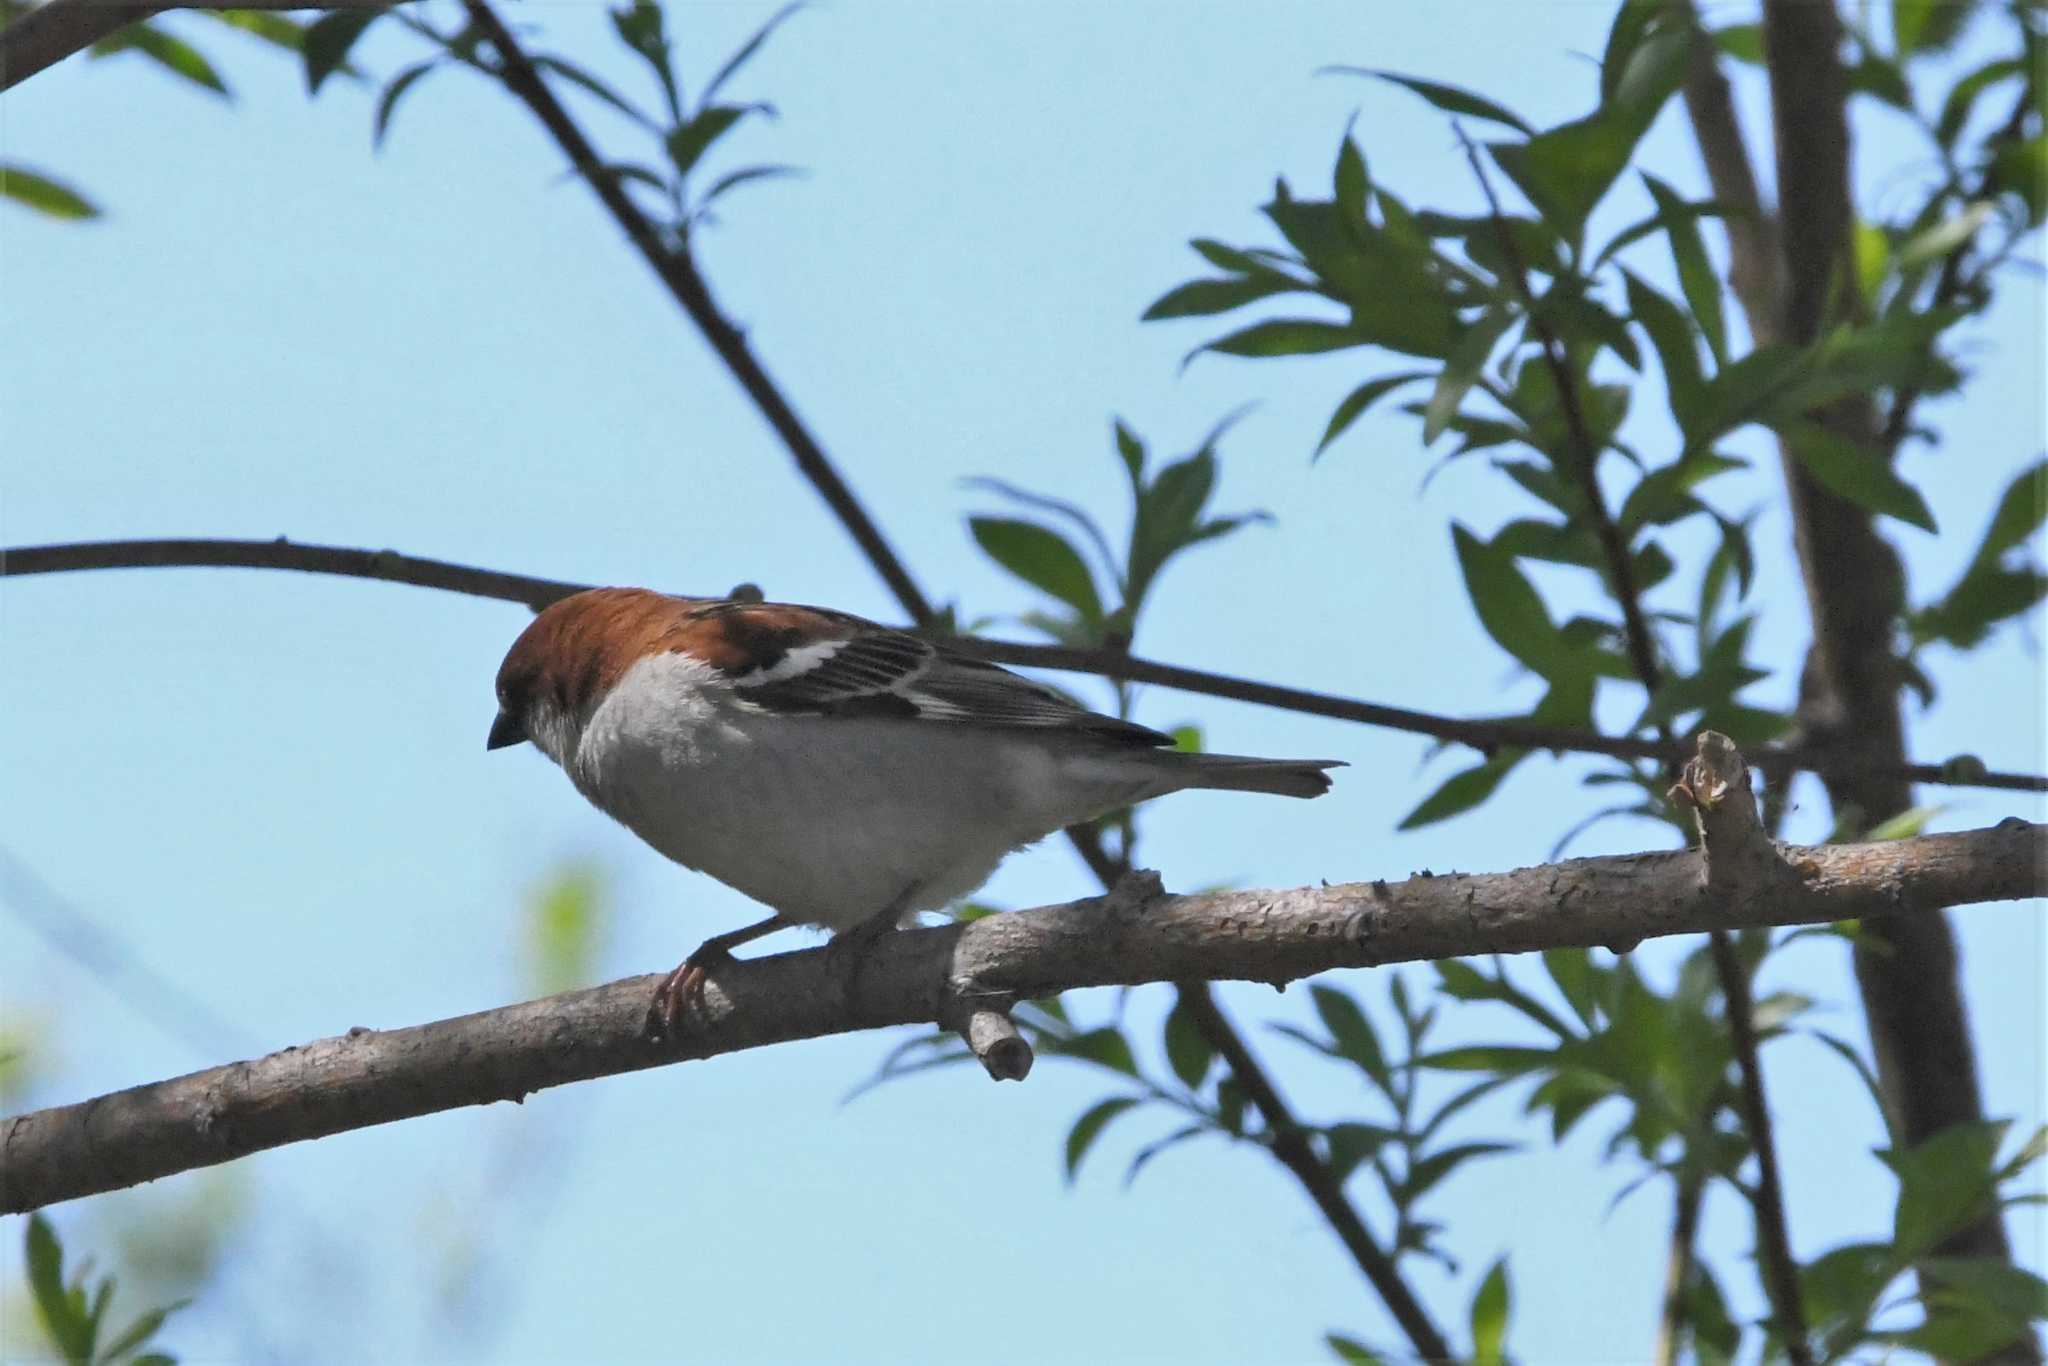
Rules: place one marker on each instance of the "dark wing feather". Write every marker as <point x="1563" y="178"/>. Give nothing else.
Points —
<point x="807" y="660"/>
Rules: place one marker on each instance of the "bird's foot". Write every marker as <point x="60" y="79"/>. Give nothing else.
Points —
<point x="683" y="990"/>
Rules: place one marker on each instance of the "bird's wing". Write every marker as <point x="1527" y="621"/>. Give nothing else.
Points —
<point x="791" y="659"/>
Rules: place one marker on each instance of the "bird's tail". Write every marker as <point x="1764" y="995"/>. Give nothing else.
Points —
<point x="1281" y="777"/>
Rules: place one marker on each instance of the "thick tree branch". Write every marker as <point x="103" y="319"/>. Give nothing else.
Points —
<point x="370" y="1077"/>
<point x="1906" y="969"/>
<point x="535" y="593"/>
<point x="51" y="32"/>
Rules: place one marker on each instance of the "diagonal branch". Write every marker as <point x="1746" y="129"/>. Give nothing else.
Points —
<point x="535" y="593"/>
<point x="51" y="32"/>
<point x="368" y="1077"/>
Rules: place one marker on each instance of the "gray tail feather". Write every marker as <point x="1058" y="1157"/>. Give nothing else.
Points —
<point x="1281" y="777"/>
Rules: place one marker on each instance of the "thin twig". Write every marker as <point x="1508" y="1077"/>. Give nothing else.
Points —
<point x="1484" y="735"/>
<point x="678" y="271"/>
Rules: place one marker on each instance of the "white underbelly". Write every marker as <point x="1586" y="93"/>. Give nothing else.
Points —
<point x="827" y="821"/>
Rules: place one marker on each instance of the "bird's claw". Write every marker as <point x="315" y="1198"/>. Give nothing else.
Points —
<point x="682" y="990"/>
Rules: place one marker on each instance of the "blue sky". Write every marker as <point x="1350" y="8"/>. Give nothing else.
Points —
<point x="273" y="788"/>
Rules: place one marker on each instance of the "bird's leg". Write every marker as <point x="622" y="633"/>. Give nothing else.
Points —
<point x="850" y="948"/>
<point x="684" y="988"/>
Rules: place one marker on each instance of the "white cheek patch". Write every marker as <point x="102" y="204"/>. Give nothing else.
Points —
<point x="802" y="660"/>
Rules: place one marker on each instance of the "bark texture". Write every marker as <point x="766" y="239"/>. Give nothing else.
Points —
<point x="1134" y="935"/>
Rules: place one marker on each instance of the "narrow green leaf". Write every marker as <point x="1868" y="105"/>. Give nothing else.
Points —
<point x="1743" y="42"/>
<point x="328" y="40"/>
<point x="1105" y="1047"/>
<point x="689" y="142"/>
<point x="1490" y="1316"/>
<point x="1853" y="471"/>
<point x="1285" y="337"/>
<point x="1509" y="607"/>
<point x="142" y="1330"/>
<point x="270" y="27"/>
<point x="1951" y="234"/>
<point x="1671" y="335"/>
<point x="1962" y="97"/>
<point x="1352" y="1352"/>
<point x="1358" y="400"/>
<point x="1696" y="277"/>
<point x="44" y="195"/>
<point x="1199" y="298"/>
<point x="1462" y="791"/>
<point x="1089" y="1127"/>
<point x="2019" y="515"/>
<point x="62" y="1319"/>
<point x="1350" y="1032"/>
<point x="1924" y="26"/>
<point x="174" y="54"/>
<point x="1461" y="371"/>
<point x="1349" y="182"/>
<point x="746" y="50"/>
<point x="1042" y="558"/>
<point x="591" y="85"/>
<point x="1187" y="1052"/>
<point x="1448" y="98"/>
<point x="387" y="102"/>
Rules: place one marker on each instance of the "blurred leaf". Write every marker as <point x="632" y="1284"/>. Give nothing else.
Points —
<point x="1351" y="1144"/>
<point x="746" y="175"/>
<point x="1199" y="298"/>
<point x="2019" y="514"/>
<point x="1351" y="1034"/>
<point x="1511" y="610"/>
<point x="139" y="1332"/>
<point x="2011" y="1290"/>
<point x="1671" y="334"/>
<point x="1350" y="182"/>
<point x="688" y="142"/>
<point x="1105" y="1047"/>
<point x="1353" y="1352"/>
<point x="1187" y="1052"/>
<point x="1461" y="370"/>
<point x="1926" y="26"/>
<point x="1448" y="98"/>
<point x="1853" y="471"/>
<point x="1430" y="1171"/>
<point x="591" y="85"/>
<point x="1089" y="1127"/>
<point x="1284" y="337"/>
<point x="746" y="50"/>
<point x="1579" y="980"/>
<point x="1944" y="237"/>
<point x="1042" y="558"/>
<point x="1945" y="1184"/>
<point x="1905" y="825"/>
<point x="269" y="26"/>
<point x="1743" y="42"/>
<point x="2021" y="165"/>
<point x="1962" y="97"/>
<point x="1360" y="399"/>
<point x="44" y="195"/>
<point x="1490" y="1316"/>
<point x="642" y="28"/>
<point x="1463" y="790"/>
<point x="564" y="923"/>
<point x="62" y="1311"/>
<point x="174" y="54"/>
<point x="1508" y="1059"/>
<point x="1144" y="1155"/>
<point x="394" y="91"/>
<point x="328" y="40"/>
<point x="1696" y="276"/>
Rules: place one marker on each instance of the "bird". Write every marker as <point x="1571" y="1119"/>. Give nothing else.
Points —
<point x="844" y="774"/>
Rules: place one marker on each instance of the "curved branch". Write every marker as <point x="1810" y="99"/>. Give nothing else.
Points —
<point x="535" y="593"/>
<point x="370" y="1077"/>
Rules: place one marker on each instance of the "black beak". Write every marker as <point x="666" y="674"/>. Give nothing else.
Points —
<point x="506" y="730"/>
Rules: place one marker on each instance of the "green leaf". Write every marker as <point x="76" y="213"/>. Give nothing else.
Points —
<point x="1463" y="790"/>
<point x="1925" y="26"/>
<point x="591" y="85"/>
<point x="1428" y="1173"/>
<point x="142" y="1330"/>
<point x="1490" y="1316"/>
<point x="1448" y="98"/>
<point x="44" y="195"/>
<point x="1360" y="399"/>
<point x="1352" y="1352"/>
<point x="175" y="55"/>
<point x="1352" y="1144"/>
<point x="1187" y="1052"/>
<point x="328" y="40"/>
<point x="746" y="50"/>
<point x="387" y="102"/>
<point x="1461" y="371"/>
<point x="1568" y="170"/>
<point x="2019" y="515"/>
<point x="564" y="924"/>
<point x="1351" y="1034"/>
<point x="1962" y="97"/>
<point x="1285" y="337"/>
<point x="1905" y="825"/>
<point x="642" y="28"/>
<point x="1578" y="979"/>
<point x="1945" y="1184"/>
<point x="1853" y="471"/>
<point x="1506" y="1059"/>
<point x="2021" y="166"/>
<point x="1089" y="1127"/>
<point x="63" y="1314"/>
<point x="2010" y="1290"/>
<point x="689" y="142"/>
<point x="1671" y="334"/>
<point x="1042" y="558"/>
<point x="1510" y="608"/>
<point x="1198" y="298"/>
<point x="1702" y="287"/>
<point x="1949" y="235"/>
<point x="1349" y="182"/>
<point x="1105" y="1047"/>
<point x="266" y="25"/>
<point x="1743" y="42"/>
